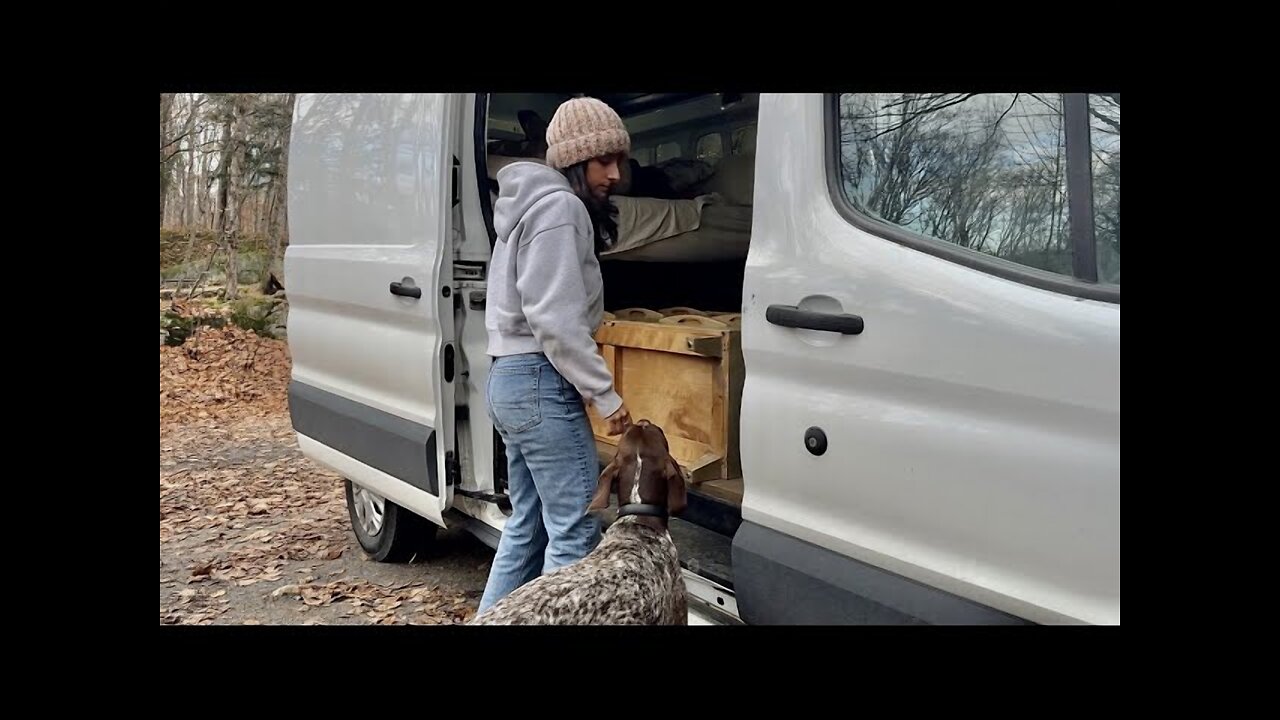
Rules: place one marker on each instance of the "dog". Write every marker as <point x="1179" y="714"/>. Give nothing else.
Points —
<point x="633" y="576"/>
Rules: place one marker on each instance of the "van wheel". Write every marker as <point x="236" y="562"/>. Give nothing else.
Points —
<point x="385" y="530"/>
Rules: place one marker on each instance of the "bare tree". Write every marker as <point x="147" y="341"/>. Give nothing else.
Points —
<point x="234" y="189"/>
<point x="984" y="172"/>
<point x="278" y="216"/>
<point x="166" y="109"/>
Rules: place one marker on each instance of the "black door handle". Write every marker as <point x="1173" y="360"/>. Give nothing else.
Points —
<point x="403" y="290"/>
<point x="793" y="317"/>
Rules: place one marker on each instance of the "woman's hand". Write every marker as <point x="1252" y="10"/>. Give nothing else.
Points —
<point x="619" y="421"/>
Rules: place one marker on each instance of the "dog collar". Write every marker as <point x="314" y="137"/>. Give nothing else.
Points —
<point x="643" y="509"/>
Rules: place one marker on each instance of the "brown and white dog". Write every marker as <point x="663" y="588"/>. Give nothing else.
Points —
<point x="633" y="576"/>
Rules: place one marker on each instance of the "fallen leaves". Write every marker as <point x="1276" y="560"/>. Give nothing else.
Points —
<point x="240" y="506"/>
<point x="223" y="372"/>
<point x="221" y="488"/>
<point x="194" y="608"/>
<point x="378" y="603"/>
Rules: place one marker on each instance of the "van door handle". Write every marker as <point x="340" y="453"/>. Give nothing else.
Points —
<point x="793" y="317"/>
<point x="399" y="288"/>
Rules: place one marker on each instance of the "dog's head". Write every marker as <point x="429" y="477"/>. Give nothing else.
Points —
<point x="642" y="472"/>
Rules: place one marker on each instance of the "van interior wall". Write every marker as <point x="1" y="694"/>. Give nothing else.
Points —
<point x="710" y="287"/>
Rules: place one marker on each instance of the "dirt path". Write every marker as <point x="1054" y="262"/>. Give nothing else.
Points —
<point x="253" y="533"/>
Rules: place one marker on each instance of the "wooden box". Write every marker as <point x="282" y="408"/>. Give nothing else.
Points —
<point x="685" y="378"/>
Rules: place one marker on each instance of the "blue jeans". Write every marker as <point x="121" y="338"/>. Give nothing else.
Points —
<point x="552" y="471"/>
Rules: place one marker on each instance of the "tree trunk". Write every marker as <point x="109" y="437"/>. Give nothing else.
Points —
<point x="261" y="201"/>
<point x="204" y="201"/>
<point x="278" y="227"/>
<point x="223" y="175"/>
<point x="273" y="241"/>
<point x="166" y="104"/>
<point x="224" y="161"/>
<point x="189" y="190"/>
<point x="235" y="194"/>
<point x="193" y="185"/>
<point x="189" y="207"/>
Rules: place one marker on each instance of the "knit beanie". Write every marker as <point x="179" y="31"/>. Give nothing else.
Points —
<point x="584" y="128"/>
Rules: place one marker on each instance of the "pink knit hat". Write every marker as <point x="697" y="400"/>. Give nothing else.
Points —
<point x="584" y="128"/>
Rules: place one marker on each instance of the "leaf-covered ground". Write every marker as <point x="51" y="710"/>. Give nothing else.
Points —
<point x="253" y="533"/>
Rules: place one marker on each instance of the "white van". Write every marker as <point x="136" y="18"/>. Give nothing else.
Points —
<point x="928" y="427"/>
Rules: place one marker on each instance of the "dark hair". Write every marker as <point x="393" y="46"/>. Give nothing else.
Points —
<point x="604" y="216"/>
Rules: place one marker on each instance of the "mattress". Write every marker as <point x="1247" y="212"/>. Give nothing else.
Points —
<point x="699" y="230"/>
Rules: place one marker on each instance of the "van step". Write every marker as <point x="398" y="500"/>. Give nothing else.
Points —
<point x="703" y="551"/>
<point x="502" y="501"/>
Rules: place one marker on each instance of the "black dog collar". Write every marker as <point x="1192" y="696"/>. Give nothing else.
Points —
<point x="642" y="509"/>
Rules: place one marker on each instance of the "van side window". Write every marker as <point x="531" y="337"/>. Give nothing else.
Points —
<point x="710" y="148"/>
<point x="1104" y="139"/>
<point x="644" y="155"/>
<point x="668" y="151"/>
<point x="985" y="172"/>
<point x="743" y="141"/>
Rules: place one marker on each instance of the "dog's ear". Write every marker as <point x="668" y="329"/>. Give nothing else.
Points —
<point x="608" y="480"/>
<point x="676" y="495"/>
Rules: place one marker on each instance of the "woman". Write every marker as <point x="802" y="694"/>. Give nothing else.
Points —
<point x="544" y="301"/>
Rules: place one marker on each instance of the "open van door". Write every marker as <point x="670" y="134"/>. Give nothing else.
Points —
<point x="931" y="423"/>
<point x="367" y="271"/>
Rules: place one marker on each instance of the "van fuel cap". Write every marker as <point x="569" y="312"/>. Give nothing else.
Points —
<point x="815" y="441"/>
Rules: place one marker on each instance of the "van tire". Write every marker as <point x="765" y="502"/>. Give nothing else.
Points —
<point x="402" y="533"/>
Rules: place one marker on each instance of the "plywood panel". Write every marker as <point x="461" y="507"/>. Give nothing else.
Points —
<point x="684" y="378"/>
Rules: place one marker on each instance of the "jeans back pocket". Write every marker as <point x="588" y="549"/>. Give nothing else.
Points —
<point x="513" y="398"/>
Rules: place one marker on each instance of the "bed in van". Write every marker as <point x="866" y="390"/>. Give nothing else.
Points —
<point x="884" y="329"/>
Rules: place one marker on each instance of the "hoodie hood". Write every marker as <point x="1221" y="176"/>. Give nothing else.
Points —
<point x="522" y="185"/>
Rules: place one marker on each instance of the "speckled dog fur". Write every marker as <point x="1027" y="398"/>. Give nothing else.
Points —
<point x="633" y="576"/>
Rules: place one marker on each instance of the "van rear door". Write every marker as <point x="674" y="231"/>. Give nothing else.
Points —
<point x="367" y="274"/>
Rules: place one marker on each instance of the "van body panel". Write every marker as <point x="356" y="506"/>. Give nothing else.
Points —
<point x="788" y="581"/>
<point x="369" y="215"/>
<point x="973" y="426"/>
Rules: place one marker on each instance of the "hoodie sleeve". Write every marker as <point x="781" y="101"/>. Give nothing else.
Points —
<point x="552" y="296"/>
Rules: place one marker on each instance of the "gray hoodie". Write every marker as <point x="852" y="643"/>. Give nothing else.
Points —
<point x="544" y="288"/>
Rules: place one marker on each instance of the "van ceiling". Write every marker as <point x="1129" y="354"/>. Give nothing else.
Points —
<point x="643" y="111"/>
<point x="635" y="103"/>
<point x="626" y="104"/>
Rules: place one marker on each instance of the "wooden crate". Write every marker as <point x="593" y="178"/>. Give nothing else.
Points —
<point x="687" y="379"/>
